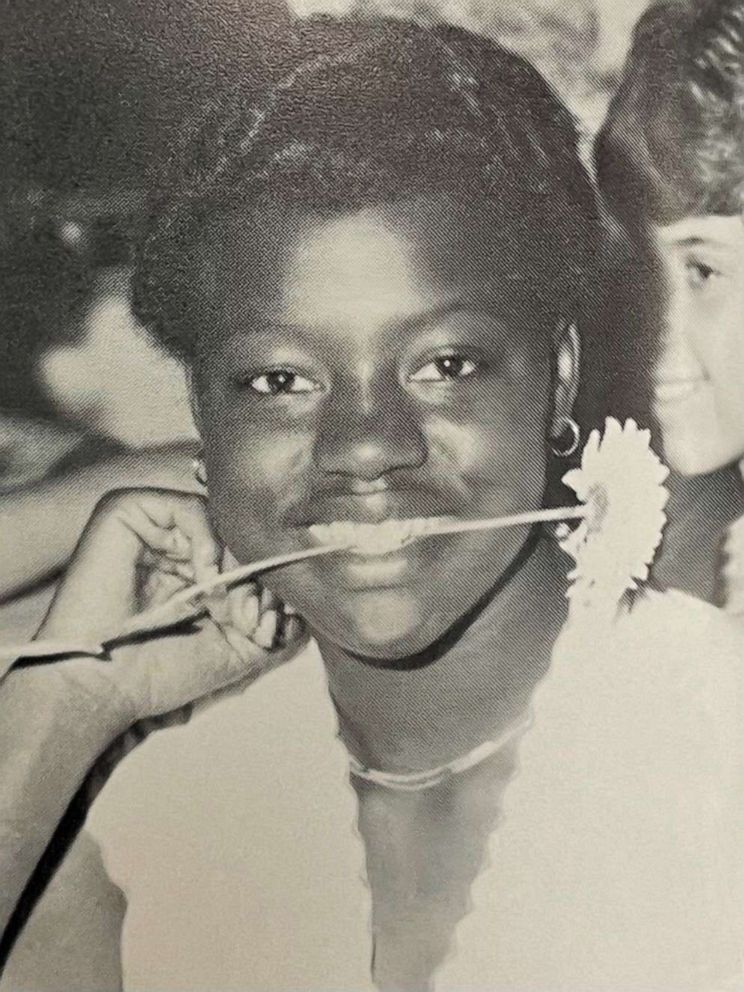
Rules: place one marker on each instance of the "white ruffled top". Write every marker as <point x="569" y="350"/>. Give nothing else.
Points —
<point x="618" y="863"/>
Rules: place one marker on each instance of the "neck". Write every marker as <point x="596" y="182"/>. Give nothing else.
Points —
<point x="475" y="681"/>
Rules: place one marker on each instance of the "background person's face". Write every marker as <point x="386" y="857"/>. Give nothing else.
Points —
<point x="699" y="379"/>
<point x="365" y="366"/>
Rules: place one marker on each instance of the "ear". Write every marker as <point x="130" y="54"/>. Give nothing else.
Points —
<point x="567" y="356"/>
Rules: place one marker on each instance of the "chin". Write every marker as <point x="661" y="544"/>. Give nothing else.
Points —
<point x="692" y="459"/>
<point x="384" y="625"/>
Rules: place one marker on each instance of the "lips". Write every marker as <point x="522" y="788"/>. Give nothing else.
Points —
<point x="674" y="390"/>
<point x="376" y="556"/>
<point x="373" y="539"/>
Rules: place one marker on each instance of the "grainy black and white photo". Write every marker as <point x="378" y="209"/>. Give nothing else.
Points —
<point x="371" y="496"/>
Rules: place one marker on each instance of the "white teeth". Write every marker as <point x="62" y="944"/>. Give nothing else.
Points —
<point x="372" y="539"/>
<point x="679" y="389"/>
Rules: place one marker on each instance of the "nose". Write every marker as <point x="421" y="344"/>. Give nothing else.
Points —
<point x="367" y="435"/>
<point x="677" y="359"/>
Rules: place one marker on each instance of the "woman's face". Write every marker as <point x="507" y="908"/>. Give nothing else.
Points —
<point x="699" y="380"/>
<point x="362" y="367"/>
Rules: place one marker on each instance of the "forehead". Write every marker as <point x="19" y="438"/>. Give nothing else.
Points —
<point x="726" y="231"/>
<point x="375" y="262"/>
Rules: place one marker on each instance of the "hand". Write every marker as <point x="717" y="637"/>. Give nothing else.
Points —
<point x="40" y="523"/>
<point x="139" y="548"/>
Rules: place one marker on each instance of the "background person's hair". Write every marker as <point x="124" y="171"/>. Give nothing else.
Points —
<point x="369" y="112"/>
<point x="673" y="142"/>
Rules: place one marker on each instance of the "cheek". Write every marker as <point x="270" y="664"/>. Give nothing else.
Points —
<point x="497" y="454"/>
<point x="254" y="477"/>
<point x="721" y="344"/>
<point x="498" y="448"/>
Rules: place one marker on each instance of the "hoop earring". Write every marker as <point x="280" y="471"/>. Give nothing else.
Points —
<point x="567" y="426"/>
<point x="200" y="470"/>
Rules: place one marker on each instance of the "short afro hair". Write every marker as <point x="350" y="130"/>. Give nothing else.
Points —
<point x="367" y="112"/>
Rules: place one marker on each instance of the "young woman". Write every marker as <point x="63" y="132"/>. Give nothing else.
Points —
<point x="374" y="275"/>
<point x="670" y="162"/>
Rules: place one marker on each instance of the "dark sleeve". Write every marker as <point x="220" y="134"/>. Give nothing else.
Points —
<point x="91" y="449"/>
<point x="700" y="511"/>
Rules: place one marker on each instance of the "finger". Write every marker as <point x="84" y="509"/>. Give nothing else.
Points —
<point x="266" y="632"/>
<point x="154" y="560"/>
<point x="268" y="601"/>
<point x="185" y="516"/>
<point x="243" y="605"/>
<point x="190" y="517"/>
<point x="159" y="587"/>
<point x="182" y="569"/>
<point x="167" y="540"/>
<point x="217" y="607"/>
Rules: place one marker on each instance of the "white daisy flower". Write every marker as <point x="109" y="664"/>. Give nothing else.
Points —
<point x="620" y="481"/>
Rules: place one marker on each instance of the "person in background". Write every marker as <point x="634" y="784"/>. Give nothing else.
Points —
<point x="670" y="165"/>
<point x="72" y="427"/>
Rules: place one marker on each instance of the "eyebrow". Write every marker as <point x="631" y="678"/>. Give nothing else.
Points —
<point x="696" y="241"/>
<point x="489" y="307"/>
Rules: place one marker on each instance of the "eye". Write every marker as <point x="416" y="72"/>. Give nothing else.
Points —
<point x="276" y="382"/>
<point x="699" y="273"/>
<point x="445" y="368"/>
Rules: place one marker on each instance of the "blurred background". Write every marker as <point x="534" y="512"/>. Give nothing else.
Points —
<point x="91" y="92"/>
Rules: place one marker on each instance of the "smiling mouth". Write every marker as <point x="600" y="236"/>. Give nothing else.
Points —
<point x="672" y="390"/>
<point x="373" y="540"/>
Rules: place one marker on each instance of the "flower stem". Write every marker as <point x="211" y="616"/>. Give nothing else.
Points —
<point x="184" y="604"/>
<point x="552" y="515"/>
